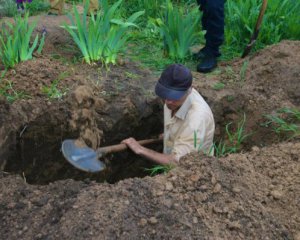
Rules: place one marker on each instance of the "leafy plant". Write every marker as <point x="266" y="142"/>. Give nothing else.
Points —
<point x="178" y="30"/>
<point x="37" y="6"/>
<point x="158" y="169"/>
<point x="286" y="122"/>
<point x="103" y="36"/>
<point x="8" y="8"/>
<point x="234" y="139"/>
<point x="15" y="39"/>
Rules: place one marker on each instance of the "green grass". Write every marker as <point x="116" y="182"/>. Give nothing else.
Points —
<point x="281" y="21"/>
<point x="285" y="123"/>
<point x="159" y="169"/>
<point x="218" y="86"/>
<point x="11" y="95"/>
<point x="52" y="91"/>
<point x="234" y="139"/>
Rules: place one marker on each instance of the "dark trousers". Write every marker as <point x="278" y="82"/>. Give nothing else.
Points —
<point x="213" y="23"/>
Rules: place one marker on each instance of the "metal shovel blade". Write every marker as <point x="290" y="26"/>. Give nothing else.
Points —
<point x="83" y="158"/>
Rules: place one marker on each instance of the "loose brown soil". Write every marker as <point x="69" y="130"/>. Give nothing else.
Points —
<point x="249" y="195"/>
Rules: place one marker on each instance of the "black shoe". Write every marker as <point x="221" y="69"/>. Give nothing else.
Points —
<point x="200" y="55"/>
<point x="207" y="64"/>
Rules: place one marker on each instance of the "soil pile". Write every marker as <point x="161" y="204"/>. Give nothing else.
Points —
<point x="244" y="196"/>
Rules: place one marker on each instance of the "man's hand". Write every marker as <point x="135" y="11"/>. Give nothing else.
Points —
<point x="133" y="145"/>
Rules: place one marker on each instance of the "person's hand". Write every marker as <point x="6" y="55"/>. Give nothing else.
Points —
<point x="133" y="145"/>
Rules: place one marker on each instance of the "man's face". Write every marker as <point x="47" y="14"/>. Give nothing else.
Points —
<point x="174" y="105"/>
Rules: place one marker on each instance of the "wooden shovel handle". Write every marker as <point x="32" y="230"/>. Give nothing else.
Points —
<point x="121" y="147"/>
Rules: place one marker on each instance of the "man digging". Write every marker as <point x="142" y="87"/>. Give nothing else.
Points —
<point x="187" y="119"/>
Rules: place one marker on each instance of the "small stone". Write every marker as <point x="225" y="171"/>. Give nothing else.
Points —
<point x="169" y="186"/>
<point x="276" y="194"/>
<point x="297" y="236"/>
<point x="143" y="222"/>
<point x="126" y="202"/>
<point x="195" y="178"/>
<point x="75" y="206"/>
<point x="159" y="193"/>
<point x="255" y="149"/>
<point x="236" y="190"/>
<point x="153" y="220"/>
<point x="195" y="220"/>
<point x="213" y="180"/>
<point x="217" y="209"/>
<point x="234" y="225"/>
<point x="203" y="187"/>
<point x="217" y="188"/>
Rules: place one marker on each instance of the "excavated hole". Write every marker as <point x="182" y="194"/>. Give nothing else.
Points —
<point x="35" y="153"/>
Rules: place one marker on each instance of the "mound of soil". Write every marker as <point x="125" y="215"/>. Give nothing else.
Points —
<point x="251" y="195"/>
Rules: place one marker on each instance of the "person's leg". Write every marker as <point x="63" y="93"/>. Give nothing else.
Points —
<point x="213" y="23"/>
<point x="20" y="5"/>
<point x="213" y="16"/>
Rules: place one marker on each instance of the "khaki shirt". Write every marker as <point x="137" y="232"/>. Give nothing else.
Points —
<point x="191" y="129"/>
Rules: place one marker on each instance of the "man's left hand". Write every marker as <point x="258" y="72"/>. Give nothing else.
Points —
<point x="133" y="145"/>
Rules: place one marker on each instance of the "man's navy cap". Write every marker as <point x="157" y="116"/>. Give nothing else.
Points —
<point x="174" y="82"/>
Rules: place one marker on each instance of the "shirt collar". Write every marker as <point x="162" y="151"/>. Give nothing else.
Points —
<point x="183" y="110"/>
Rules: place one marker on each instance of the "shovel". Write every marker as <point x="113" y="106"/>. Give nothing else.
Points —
<point x="256" y="29"/>
<point x="86" y="159"/>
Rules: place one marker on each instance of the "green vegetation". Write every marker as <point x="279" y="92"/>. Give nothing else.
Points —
<point x="8" y="8"/>
<point x="11" y="95"/>
<point x="178" y="30"/>
<point x="281" y="21"/>
<point x="15" y="40"/>
<point x="53" y="91"/>
<point x="218" y="86"/>
<point x="159" y="169"/>
<point x="104" y="35"/>
<point x="234" y="140"/>
<point x="286" y="122"/>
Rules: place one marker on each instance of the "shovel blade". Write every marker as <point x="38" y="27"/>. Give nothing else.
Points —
<point x="83" y="158"/>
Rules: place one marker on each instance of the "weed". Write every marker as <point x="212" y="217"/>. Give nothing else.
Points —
<point x="234" y="139"/>
<point x="218" y="86"/>
<point x="158" y="169"/>
<point x="10" y="93"/>
<point x="243" y="71"/>
<point x="285" y="122"/>
<point x="52" y="91"/>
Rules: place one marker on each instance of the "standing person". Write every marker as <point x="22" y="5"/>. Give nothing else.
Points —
<point x="213" y="23"/>
<point x="20" y="5"/>
<point x="187" y="118"/>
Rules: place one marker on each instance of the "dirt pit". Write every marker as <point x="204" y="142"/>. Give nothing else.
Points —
<point x="250" y="195"/>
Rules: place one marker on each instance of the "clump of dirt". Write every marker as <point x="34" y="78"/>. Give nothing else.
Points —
<point x="256" y="86"/>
